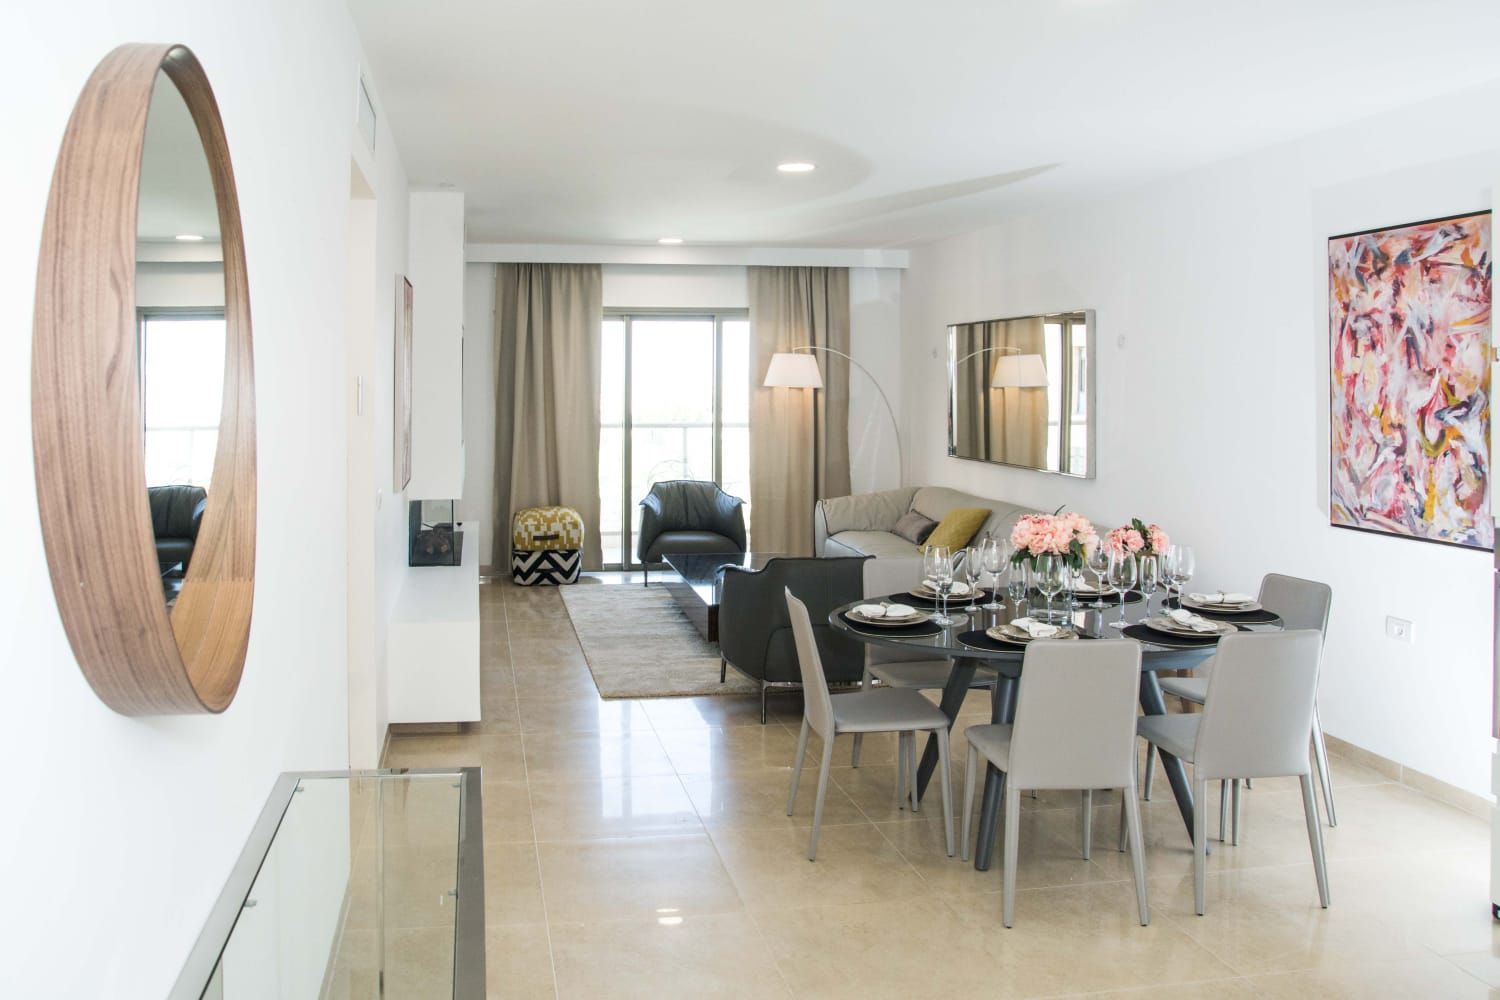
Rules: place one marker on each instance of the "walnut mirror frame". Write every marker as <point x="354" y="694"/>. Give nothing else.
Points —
<point x="140" y="657"/>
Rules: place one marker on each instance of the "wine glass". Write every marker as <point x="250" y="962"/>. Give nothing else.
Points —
<point x="1150" y="574"/>
<point x="993" y="554"/>
<point x="942" y="582"/>
<point x="1098" y="563"/>
<point x="1050" y="574"/>
<point x="930" y="559"/>
<point x="1183" y="567"/>
<point x="1015" y="589"/>
<point x="973" y="574"/>
<point x="1121" y="578"/>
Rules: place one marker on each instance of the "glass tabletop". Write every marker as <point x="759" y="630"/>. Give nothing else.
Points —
<point x="1088" y="621"/>
<point x="704" y="571"/>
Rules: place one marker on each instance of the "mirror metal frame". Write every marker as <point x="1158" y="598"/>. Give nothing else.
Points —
<point x="139" y="658"/>
<point x="1090" y="387"/>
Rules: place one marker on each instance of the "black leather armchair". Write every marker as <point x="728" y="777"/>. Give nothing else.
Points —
<point x="755" y="630"/>
<point x="176" y="513"/>
<point x="686" y="515"/>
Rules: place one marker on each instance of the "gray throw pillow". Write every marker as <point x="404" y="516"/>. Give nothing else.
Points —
<point x="915" y="527"/>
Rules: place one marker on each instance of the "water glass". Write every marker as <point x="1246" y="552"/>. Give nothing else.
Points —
<point x="993" y="553"/>
<point x="1150" y="573"/>
<point x="1051" y="573"/>
<point x="1098" y="563"/>
<point x="941" y="575"/>
<point x="1183" y="566"/>
<point x="1121" y="579"/>
<point x="1015" y="589"/>
<point x="973" y="574"/>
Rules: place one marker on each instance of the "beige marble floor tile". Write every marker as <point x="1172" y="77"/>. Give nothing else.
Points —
<point x="561" y="756"/>
<point x="757" y="800"/>
<point x="581" y="715"/>
<point x="498" y="755"/>
<point x="518" y="962"/>
<point x="1211" y="989"/>
<point x="579" y="809"/>
<point x="855" y="865"/>
<point x="1046" y="858"/>
<point x="419" y="963"/>
<point x="640" y="877"/>
<point x="692" y="713"/>
<point x="566" y="681"/>
<point x="1482" y="965"/>
<point x="872" y="787"/>
<point x="1428" y="978"/>
<point x="1440" y="899"/>
<point x="512" y="885"/>
<point x="1075" y="939"/>
<point x="713" y="750"/>
<point x="507" y="812"/>
<point x="720" y="955"/>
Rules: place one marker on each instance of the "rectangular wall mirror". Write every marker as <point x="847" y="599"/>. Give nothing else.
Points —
<point x="1021" y="392"/>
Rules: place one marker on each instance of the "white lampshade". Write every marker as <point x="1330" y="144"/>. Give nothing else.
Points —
<point x="793" y="371"/>
<point x="1018" y="371"/>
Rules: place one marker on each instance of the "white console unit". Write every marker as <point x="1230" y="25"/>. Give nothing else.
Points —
<point x="432" y="647"/>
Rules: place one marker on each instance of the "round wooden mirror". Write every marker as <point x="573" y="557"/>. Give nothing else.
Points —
<point x="143" y="390"/>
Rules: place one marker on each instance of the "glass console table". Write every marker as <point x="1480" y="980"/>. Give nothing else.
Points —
<point x="352" y="885"/>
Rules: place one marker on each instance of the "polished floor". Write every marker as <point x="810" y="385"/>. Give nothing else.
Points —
<point x="641" y="849"/>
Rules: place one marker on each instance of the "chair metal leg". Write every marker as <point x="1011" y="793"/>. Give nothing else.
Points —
<point x="1315" y="837"/>
<point x="645" y="574"/>
<point x="901" y="772"/>
<point x="1200" y="843"/>
<point x="1012" y="850"/>
<point x="942" y="735"/>
<point x="1325" y="775"/>
<point x="912" y="759"/>
<point x="764" y="687"/>
<point x="823" y="769"/>
<point x="1234" y="794"/>
<point x="723" y="669"/>
<point x="1120" y="846"/>
<point x="1131" y="810"/>
<point x="791" y="799"/>
<point x="1086" y="820"/>
<point x="1150" y="772"/>
<point x="1223" y="809"/>
<point x="969" y="770"/>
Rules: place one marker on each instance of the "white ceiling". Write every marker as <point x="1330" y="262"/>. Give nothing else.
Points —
<point x="177" y="191"/>
<point x="619" y="122"/>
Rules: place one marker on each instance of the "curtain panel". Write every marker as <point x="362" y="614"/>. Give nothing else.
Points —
<point x="799" y="438"/>
<point x="548" y="332"/>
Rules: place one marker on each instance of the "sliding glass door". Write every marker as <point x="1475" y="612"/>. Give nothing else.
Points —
<point x="674" y="404"/>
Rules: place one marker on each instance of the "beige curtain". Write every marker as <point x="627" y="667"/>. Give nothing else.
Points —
<point x="1018" y="417"/>
<point x="547" y="357"/>
<point x="799" y="438"/>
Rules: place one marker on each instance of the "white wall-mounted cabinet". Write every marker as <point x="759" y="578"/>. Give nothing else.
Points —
<point x="436" y="270"/>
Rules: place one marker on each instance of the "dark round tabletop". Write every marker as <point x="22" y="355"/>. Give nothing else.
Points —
<point x="1091" y="623"/>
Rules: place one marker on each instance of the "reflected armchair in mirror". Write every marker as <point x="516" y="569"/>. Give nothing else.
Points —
<point x="1021" y="391"/>
<point x="176" y="513"/>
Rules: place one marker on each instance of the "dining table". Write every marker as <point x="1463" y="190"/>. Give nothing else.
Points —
<point x="1093" y="616"/>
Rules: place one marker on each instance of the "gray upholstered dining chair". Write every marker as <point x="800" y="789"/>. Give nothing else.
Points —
<point x="897" y="668"/>
<point x="829" y="715"/>
<point x="1256" y="723"/>
<point x="688" y="515"/>
<point x="1074" y="729"/>
<point x="1302" y="604"/>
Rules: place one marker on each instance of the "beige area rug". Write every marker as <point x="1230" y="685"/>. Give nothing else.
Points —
<point x="639" y="644"/>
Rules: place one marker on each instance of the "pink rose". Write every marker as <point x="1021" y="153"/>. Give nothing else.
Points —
<point x="1159" y="540"/>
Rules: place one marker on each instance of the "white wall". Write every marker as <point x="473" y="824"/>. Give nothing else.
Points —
<point x="875" y="311"/>
<point x="178" y="284"/>
<point x="1213" y="397"/>
<point x="118" y="833"/>
<point x="436" y="270"/>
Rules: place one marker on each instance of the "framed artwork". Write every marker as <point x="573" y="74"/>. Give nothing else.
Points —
<point x="1409" y="368"/>
<point x="401" y="412"/>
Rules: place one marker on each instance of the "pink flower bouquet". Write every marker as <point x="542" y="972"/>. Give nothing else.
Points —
<point x="1067" y="535"/>
<point x="1138" y="539"/>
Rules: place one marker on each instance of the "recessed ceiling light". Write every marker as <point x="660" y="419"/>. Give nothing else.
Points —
<point x="670" y="240"/>
<point x="797" y="167"/>
<point x="189" y="237"/>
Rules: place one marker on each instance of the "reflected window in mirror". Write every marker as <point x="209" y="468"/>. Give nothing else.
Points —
<point x="1020" y="392"/>
<point x="180" y="406"/>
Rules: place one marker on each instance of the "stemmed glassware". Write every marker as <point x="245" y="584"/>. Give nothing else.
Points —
<point x="1051" y="573"/>
<point x="1121" y="579"/>
<point x="993" y="553"/>
<point x="939" y="569"/>
<point x="1098" y="563"/>
<point x="1180" y="567"/>
<point x="973" y="574"/>
<point x="1015" y="589"/>
<point x="1150" y="573"/>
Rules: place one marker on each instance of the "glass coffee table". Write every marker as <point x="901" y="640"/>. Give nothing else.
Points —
<point x="701" y="583"/>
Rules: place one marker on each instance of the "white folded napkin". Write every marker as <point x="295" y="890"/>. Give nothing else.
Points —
<point x="1222" y="597"/>
<point x="885" y="610"/>
<point x="1034" y="628"/>
<point x="1189" y="620"/>
<point x="960" y="589"/>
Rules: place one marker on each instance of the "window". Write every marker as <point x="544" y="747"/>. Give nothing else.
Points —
<point x="674" y="404"/>
<point x="182" y="388"/>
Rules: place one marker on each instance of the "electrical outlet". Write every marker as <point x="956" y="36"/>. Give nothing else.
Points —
<point x="1398" y="628"/>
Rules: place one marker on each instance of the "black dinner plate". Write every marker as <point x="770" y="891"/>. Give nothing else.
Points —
<point x="1145" y="633"/>
<point x="954" y="600"/>
<point x="1083" y="600"/>
<point x="926" y="628"/>
<point x="1261" y="617"/>
<point x="978" y="640"/>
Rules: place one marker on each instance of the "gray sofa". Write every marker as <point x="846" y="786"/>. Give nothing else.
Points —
<point x="862" y="525"/>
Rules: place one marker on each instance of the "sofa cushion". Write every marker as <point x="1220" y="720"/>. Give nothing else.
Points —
<point x="914" y="526"/>
<point x="689" y="541"/>
<point x="881" y="544"/>
<point x="958" y="527"/>
<point x="937" y="501"/>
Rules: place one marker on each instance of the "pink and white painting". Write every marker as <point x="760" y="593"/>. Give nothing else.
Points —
<point x="1409" y="326"/>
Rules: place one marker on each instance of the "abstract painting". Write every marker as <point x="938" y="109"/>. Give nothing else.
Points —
<point x="1409" y="328"/>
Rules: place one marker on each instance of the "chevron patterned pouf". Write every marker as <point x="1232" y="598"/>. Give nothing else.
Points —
<point x="546" y="546"/>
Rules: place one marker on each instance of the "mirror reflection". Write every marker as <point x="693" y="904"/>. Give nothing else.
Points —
<point x="1021" y="392"/>
<point x="179" y="297"/>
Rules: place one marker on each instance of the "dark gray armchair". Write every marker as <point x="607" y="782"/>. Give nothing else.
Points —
<point x="755" y="630"/>
<point x="686" y="515"/>
<point x="176" y="513"/>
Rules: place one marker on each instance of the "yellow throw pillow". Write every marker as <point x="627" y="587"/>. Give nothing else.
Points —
<point x="958" y="528"/>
